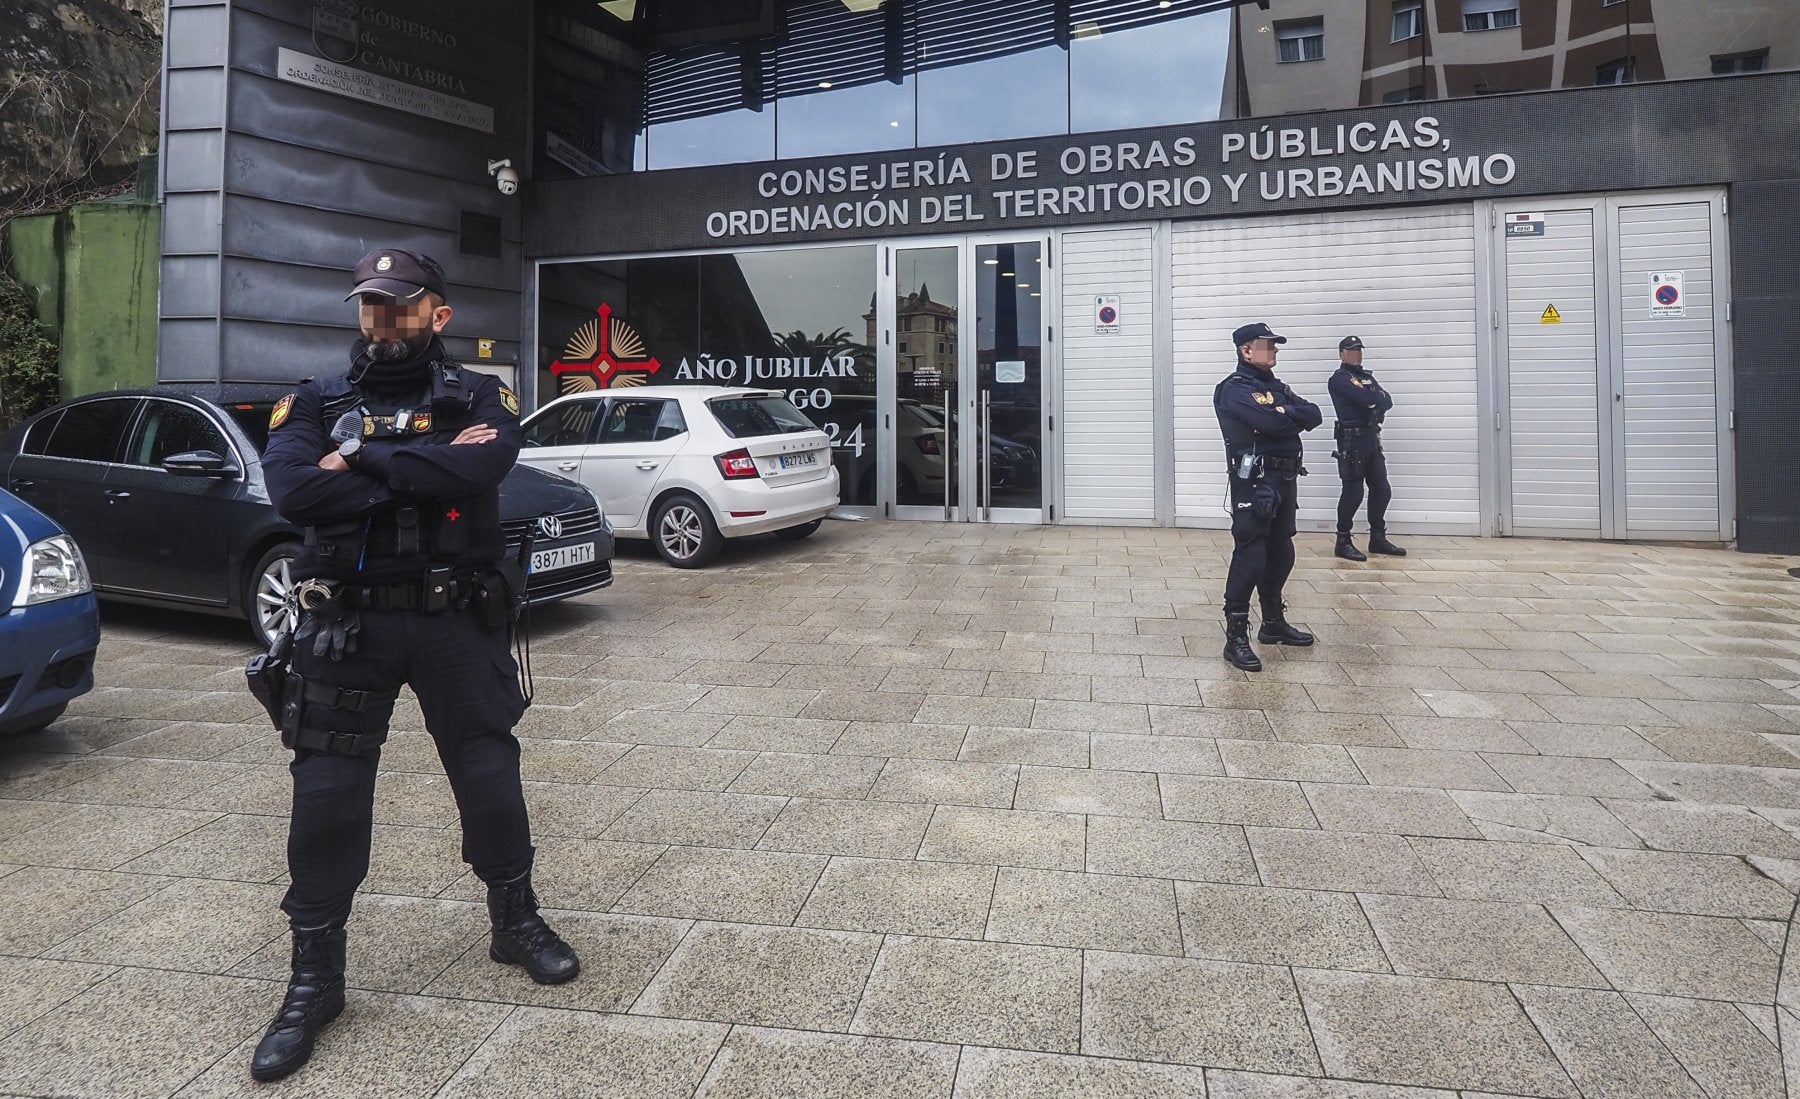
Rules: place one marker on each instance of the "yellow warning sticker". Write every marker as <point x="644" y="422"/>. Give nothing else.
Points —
<point x="1550" y="316"/>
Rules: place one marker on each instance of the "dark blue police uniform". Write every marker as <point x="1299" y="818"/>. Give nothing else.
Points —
<point x="1261" y="420"/>
<point x="1361" y="405"/>
<point x="402" y="580"/>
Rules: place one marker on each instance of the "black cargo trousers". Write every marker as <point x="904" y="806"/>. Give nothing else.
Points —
<point x="467" y="685"/>
<point x="1362" y="462"/>
<point x="1262" y="552"/>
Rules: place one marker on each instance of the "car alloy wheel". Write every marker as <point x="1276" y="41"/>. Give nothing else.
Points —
<point x="685" y="534"/>
<point x="274" y="612"/>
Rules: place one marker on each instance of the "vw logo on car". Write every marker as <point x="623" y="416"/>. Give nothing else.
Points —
<point x="550" y="526"/>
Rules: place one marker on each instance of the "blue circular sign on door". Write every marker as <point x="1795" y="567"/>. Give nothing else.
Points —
<point x="1108" y="315"/>
<point x="1667" y="295"/>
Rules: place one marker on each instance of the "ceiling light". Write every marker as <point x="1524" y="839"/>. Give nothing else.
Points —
<point x="619" y="9"/>
<point x="1166" y="4"/>
<point x="1024" y="286"/>
<point x="1006" y="274"/>
<point x="1035" y="294"/>
<point x="1087" y="30"/>
<point x="862" y="5"/>
<point x="990" y="262"/>
<point x="824" y="83"/>
<point x="896" y="122"/>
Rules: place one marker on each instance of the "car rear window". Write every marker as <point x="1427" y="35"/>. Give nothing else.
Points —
<point x="91" y="430"/>
<point x="747" y="417"/>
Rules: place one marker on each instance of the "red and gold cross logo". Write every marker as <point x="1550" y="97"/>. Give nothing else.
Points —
<point x="603" y="354"/>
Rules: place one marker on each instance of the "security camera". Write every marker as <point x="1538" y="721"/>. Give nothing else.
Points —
<point x="505" y="177"/>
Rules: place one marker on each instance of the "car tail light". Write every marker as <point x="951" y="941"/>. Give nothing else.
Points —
<point x="737" y="465"/>
<point x="927" y="444"/>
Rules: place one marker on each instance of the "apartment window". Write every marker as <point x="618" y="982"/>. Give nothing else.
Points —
<point x="1303" y="40"/>
<point x="1490" y="15"/>
<point x="1753" y="62"/>
<point x="1622" y="71"/>
<point x="1409" y="19"/>
<point x="1414" y="94"/>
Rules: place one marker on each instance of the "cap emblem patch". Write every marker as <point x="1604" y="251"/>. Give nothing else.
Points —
<point x="385" y="263"/>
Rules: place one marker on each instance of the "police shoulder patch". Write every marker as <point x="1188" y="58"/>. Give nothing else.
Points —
<point x="280" y="414"/>
<point x="1263" y="396"/>
<point x="509" y="400"/>
<point x="1356" y="382"/>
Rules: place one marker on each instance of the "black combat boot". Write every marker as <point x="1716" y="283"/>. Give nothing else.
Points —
<point x="1237" y="643"/>
<point x="1378" y="543"/>
<point x="1275" y="629"/>
<point x="521" y="937"/>
<point x="315" y="996"/>
<point x="1348" y="551"/>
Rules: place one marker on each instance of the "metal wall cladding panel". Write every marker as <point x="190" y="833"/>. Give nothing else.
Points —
<point x="187" y="350"/>
<point x="1553" y="386"/>
<point x="191" y="223"/>
<point x="190" y="286"/>
<point x="285" y="233"/>
<point x="1670" y="403"/>
<point x="288" y="293"/>
<point x="196" y="36"/>
<point x="281" y="353"/>
<point x="1765" y="285"/>
<point x="305" y="177"/>
<point x="196" y="99"/>
<point x="191" y="160"/>
<point x="1402" y="280"/>
<point x="1108" y="394"/>
<point x="494" y="76"/>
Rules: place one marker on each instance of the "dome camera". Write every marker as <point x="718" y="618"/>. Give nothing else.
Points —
<point x="505" y="177"/>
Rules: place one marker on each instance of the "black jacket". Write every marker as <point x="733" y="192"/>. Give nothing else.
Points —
<point x="1257" y="409"/>
<point x="1358" y="397"/>
<point x="449" y="494"/>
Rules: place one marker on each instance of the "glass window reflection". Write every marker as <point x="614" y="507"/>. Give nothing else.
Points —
<point x="728" y="138"/>
<point x="1156" y="75"/>
<point x="1018" y="95"/>
<point x="869" y="118"/>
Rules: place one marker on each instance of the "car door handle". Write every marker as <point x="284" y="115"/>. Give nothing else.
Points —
<point x="117" y="494"/>
<point x="648" y="465"/>
<point x="20" y="482"/>
<point x="567" y="466"/>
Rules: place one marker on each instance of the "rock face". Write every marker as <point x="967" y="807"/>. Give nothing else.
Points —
<point x="79" y="98"/>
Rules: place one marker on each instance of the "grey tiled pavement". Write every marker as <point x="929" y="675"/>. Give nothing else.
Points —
<point x="920" y="810"/>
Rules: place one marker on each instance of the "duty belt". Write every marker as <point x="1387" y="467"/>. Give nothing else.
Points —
<point x="412" y="595"/>
<point x="1346" y="431"/>
<point x="1280" y="465"/>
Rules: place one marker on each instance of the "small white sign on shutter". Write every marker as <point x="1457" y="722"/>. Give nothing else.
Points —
<point x="1667" y="295"/>
<point x="1106" y="314"/>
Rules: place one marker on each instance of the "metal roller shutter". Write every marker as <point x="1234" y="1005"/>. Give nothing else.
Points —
<point x="1108" y="402"/>
<point x="1402" y="280"/>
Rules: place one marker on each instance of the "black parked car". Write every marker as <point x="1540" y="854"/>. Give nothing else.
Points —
<point x="163" y="491"/>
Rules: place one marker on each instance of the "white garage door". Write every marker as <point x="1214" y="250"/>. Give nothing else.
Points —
<point x="1405" y="282"/>
<point x="1108" y="400"/>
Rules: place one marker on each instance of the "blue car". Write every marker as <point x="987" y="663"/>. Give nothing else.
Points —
<point x="51" y="627"/>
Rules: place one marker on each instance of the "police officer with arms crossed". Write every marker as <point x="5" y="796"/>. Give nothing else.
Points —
<point x="1261" y="420"/>
<point x="394" y="470"/>
<point x="1361" y="405"/>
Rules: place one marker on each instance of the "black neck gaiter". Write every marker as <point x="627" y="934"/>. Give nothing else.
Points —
<point x="393" y="377"/>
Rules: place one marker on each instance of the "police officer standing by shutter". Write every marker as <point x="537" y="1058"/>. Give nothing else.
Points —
<point x="394" y="470"/>
<point x="1261" y="420"/>
<point x="1361" y="406"/>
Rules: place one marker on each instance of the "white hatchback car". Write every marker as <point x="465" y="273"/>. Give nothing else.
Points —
<point x="689" y="466"/>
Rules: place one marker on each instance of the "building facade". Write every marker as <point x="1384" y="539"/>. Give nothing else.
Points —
<point x="996" y="250"/>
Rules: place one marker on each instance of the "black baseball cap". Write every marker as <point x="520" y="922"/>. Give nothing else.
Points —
<point x="1350" y="343"/>
<point x="398" y="274"/>
<point x="1257" y="331"/>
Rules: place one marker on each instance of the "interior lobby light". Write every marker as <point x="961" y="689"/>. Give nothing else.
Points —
<point x="862" y="5"/>
<point x="824" y="83"/>
<point x="1087" y="30"/>
<point x="990" y="262"/>
<point x="1006" y="274"/>
<point x="619" y="9"/>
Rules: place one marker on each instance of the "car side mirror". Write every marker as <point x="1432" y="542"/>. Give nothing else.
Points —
<point x="198" y="463"/>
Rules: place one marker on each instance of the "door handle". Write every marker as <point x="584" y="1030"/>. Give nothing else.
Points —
<point x="20" y="482"/>
<point x="117" y="494"/>
<point x="648" y="465"/>
<point x="567" y="466"/>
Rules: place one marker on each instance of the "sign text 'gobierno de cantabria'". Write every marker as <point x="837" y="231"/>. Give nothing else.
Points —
<point x="1175" y="175"/>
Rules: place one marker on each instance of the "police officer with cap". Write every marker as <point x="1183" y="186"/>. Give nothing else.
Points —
<point x="1361" y="406"/>
<point x="1261" y="420"/>
<point x="394" y="470"/>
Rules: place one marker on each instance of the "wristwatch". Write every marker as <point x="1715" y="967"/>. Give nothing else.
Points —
<point x="349" y="449"/>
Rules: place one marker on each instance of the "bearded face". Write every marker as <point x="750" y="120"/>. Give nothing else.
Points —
<point x="399" y="330"/>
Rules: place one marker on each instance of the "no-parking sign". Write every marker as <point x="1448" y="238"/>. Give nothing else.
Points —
<point x="1666" y="295"/>
<point x="1106" y="314"/>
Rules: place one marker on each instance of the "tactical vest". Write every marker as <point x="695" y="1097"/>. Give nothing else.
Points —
<point x="462" y="531"/>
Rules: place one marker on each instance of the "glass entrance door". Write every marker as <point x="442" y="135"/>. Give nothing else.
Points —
<point x="962" y="369"/>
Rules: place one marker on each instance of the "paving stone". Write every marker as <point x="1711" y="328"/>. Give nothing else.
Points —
<point x="243" y="848"/>
<point x="100" y="837"/>
<point x="697" y="817"/>
<point x="1169" y="849"/>
<point x="1719" y="784"/>
<point x="575" y="1054"/>
<point x="1392" y="1030"/>
<point x="1544" y="818"/>
<point x="1047" y="841"/>
<point x="1396" y="810"/>
<point x="1477" y="940"/>
<point x="904" y="740"/>
<point x="899" y="896"/>
<point x="30" y="987"/>
<point x="890" y="830"/>
<point x="579" y="811"/>
<point x="196" y="925"/>
<point x="1370" y="730"/>
<point x="995" y="994"/>
<point x="1705" y="885"/>
<point x="706" y="883"/>
<point x="788" y="977"/>
<point x="1256" y="1085"/>
<point x="1192" y="721"/>
<point x="660" y="766"/>
<point x="1719" y="745"/>
<point x="619" y="955"/>
<point x="1040" y="747"/>
<point x="1604" y="1045"/>
<point x="1095" y="911"/>
<point x="820" y="776"/>
<point x="1720" y="1048"/>
<point x="1460" y="734"/>
<point x="946" y="783"/>
<point x="1525" y="872"/>
<point x="1004" y="1073"/>
<point x="1418" y="767"/>
<point x="1567" y="775"/>
<point x="1297" y="927"/>
<point x="755" y="1063"/>
<point x="1305" y="762"/>
<point x="1553" y="738"/>
<point x="778" y="734"/>
<point x="1236" y="801"/>
<point x="1717" y="829"/>
<point x="574" y="873"/>
<point x="975" y="710"/>
<point x="1194" y="1012"/>
<point x="647" y="726"/>
<point x="756" y="701"/>
<point x="1090" y="717"/>
<point x="1706" y="957"/>
<point x="1088" y="790"/>
<point x="1165" y="754"/>
<point x="1339" y="860"/>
